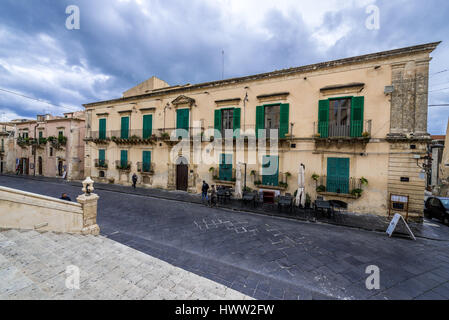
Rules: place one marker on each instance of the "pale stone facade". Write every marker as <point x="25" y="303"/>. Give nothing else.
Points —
<point x="6" y="148"/>
<point x="378" y="106"/>
<point x="50" y="146"/>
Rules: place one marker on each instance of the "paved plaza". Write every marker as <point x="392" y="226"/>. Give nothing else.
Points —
<point x="265" y="257"/>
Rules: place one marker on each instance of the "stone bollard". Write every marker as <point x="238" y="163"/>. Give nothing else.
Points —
<point x="89" y="202"/>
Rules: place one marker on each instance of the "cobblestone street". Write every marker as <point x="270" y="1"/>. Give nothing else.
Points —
<point x="266" y="257"/>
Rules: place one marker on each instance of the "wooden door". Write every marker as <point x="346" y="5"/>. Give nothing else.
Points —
<point x="182" y="178"/>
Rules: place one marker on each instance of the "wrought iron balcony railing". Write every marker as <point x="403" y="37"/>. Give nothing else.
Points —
<point x="357" y="129"/>
<point x="123" y="165"/>
<point x="144" y="167"/>
<point x="101" y="163"/>
<point x="339" y="185"/>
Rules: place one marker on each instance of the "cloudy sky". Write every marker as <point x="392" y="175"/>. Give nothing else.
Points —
<point x="121" y="43"/>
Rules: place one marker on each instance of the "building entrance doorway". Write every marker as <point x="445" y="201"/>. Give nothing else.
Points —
<point x="182" y="174"/>
<point x="40" y="166"/>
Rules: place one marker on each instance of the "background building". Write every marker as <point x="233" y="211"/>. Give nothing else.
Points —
<point x="51" y="146"/>
<point x="359" y="125"/>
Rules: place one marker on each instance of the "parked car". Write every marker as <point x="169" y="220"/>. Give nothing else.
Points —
<point x="437" y="207"/>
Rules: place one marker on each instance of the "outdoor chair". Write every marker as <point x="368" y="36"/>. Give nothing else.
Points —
<point x="285" y="202"/>
<point x="249" y="197"/>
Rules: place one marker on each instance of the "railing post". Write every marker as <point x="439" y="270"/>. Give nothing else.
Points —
<point x="89" y="203"/>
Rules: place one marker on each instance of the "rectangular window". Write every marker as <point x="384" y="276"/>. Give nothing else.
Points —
<point x="124" y="130"/>
<point x="225" y="170"/>
<point x="60" y="135"/>
<point x="41" y="134"/>
<point x="147" y="126"/>
<point x="341" y="117"/>
<point x="273" y="117"/>
<point x="102" y="129"/>
<point x="338" y="175"/>
<point x="146" y="161"/>
<point x="227" y="120"/>
<point x="51" y="152"/>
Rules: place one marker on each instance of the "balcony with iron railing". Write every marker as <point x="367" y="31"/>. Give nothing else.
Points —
<point x="223" y="176"/>
<point x="356" y="130"/>
<point x="123" y="165"/>
<point x="101" y="164"/>
<point x="279" y="182"/>
<point x="145" y="168"/>
<point x="340" y="186"/>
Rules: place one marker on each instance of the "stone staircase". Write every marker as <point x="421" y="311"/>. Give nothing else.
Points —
<point x="33" y="266"/>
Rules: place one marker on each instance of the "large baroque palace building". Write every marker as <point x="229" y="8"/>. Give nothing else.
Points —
<point x="358" y="125"/>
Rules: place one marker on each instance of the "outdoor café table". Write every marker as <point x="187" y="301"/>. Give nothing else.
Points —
<point x="285" y="201"/>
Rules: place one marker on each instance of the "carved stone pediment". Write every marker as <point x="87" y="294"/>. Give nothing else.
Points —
<point x="183" y="100"/>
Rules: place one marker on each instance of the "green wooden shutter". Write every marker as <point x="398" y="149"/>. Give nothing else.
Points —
<point x="323" y="118"/>
<point x="124" y="158"/>
<point x="284" y="120"/>
<point x="236" y="122"/>
<point x="146" y="161"/>
<point x="102" y="126"/>
<point x="225" y="173"/>
<point x="357" y="116"/>
<point x="338" y="175"/>
<point x="217" y="121"/>
<point x="260" y="119"/>
<point x="40" y="134"/>
<point x="147" y="126"/>
<point x="124" y="133"/>
<point x="101" y="157"/>
<point x="182" y="119"/>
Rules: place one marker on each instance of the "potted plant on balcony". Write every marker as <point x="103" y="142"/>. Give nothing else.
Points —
<point x="165" y="136"/>
<point x="321" y="188"/>
<point x="366" y="135"/>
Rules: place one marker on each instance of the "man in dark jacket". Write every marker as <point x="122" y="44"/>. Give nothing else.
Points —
<point x="134" y="178"/>
<point x="65" y="197"/>
<point x="204" y="190"/>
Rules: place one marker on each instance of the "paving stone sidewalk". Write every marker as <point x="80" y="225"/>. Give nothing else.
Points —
<point x="33" y="266"/>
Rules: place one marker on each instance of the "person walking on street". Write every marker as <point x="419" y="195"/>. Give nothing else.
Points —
<point x="204" y="190"/>
<point x="134" y="178"/>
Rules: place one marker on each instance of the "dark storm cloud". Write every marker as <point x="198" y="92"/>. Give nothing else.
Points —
<point x="122" y="43"/>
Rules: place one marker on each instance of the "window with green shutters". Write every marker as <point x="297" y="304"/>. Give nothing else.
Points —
<point x="284" y="120"/>
<point x="270" y="171"/>
<point x="41" y="134"/>
<point x="124" y="159"/>
<point x="341" y="117"/>
<point x="101" y="157"/>
<point x="260" y="119"/>
<point x="124" y="129"/>
<point x="182" y="119"/>
<point x="236" y="122"/>
<point x="102" y="126"/>
<point x="225" y="171"/>
<point x="146" y="161"/>
<point x="217" y="121"/>
<point x="323" y="118"/>
<point x="357" y="116"/>
<point x="273" y="117"/>
<point x="228" y="119"/>
<point x="338" y="175"/>
<point x="147" y="126"/>
<point x="60" y="135"/>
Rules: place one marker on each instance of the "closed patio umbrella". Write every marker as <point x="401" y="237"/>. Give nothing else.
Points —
<point x="300" y="195"/>
<point x="238" y="182"/>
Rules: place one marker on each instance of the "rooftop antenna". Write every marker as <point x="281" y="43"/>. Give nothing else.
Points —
<point x="222" y="73"/>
